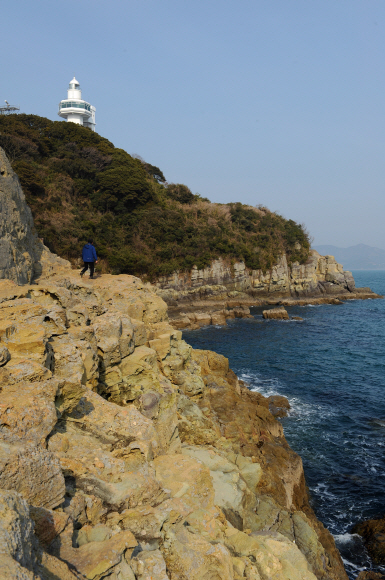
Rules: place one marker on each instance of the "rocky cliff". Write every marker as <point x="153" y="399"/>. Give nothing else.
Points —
<point x="319" y="275"/>
<point x="126" y="454"/>
<point x="22" y="254"/>
<point x="225" y="290"/>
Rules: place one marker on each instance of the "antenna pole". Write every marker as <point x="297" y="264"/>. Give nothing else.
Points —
<point x="9" y="109"/>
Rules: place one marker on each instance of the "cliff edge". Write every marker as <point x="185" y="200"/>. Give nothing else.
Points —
<point x="225" y="290"/>
<point x="126" y="454"/>
<point x="23" y="256"/>
<point x="318" y="276"/>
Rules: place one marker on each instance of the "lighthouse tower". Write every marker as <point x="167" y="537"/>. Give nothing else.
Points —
<point x="74" y="109"/>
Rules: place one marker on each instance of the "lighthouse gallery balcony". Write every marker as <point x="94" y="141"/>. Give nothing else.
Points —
<point x="73" y="105"/>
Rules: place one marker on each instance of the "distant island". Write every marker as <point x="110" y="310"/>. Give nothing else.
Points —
<point x="359" y="257"/>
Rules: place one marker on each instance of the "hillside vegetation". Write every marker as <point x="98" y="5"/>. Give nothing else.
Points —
<point x="79" y="185"/>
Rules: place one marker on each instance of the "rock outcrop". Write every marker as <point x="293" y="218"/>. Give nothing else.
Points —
<point x="223" y="291"/>
<point x="279" y="313"/>
<point x="319" y="275"/>
<point x="22" y="254"/>
<point x="370" y="576"/>
<point x="373" y="534"/>
<point x="126" y="454"/>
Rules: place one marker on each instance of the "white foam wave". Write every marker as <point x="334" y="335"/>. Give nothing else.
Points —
<point x="379" y="422"/>
<point x="322" y="491"/>
<point x="346" y="538"/>
<point x="352" y="567"/>
<point x="300" y="410"/>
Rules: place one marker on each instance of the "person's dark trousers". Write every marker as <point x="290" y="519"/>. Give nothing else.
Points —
<point x="91" y="266"/>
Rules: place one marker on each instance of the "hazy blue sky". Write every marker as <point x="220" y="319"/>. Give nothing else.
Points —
<point x="273" y="102"/>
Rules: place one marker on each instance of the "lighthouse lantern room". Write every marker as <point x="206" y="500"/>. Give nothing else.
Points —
<point x="74" y="109"/>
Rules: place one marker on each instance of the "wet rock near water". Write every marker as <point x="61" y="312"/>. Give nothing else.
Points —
<point x="279" y="313"/>
<point x="373" y="534"/>
<point x="278" y="405"/>
<point x="370" y="576"/>
<point x="195" y="320"/>
<point x="226" y="287"/>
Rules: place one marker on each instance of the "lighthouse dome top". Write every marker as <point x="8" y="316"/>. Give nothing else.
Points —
<point x="74" y="84"/>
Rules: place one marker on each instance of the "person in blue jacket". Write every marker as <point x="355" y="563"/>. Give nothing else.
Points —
<point x="89" y="258"/>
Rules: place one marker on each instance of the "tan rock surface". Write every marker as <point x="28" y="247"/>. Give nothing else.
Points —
<point x="124" y="436"/>
<point x="275" y="556"/>
<point x="18" y="545"/>
<point x="318" y="275"/>
<point x="33" y="472"/>
<point x="150" y="565"/>
<point x="276" y="313"/>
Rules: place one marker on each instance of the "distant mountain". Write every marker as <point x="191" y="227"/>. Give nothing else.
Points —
<point x="360" y="257"/>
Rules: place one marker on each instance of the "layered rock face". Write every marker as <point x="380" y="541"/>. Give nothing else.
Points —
<point x="22" y="254"/>
<point x="215" y="294"/>
<point x="125" y="454"/>
<point x="276" y="313"/>
<point x="320" y="275"/>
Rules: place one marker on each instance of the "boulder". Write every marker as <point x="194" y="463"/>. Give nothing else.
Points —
<point x="33" y="472"/>
<point x="218" y="318"/>
<point x="274" y="556"/>
<point x="276" y="313"/>
<point x="188" y="555"/>
<point x="18" y="545"/>
<point x="241" y="312"/>
<point x="278" y="405"/>
<point x="373" y="534"/>
<point x="5" y="355"/>
<point x="201" y="318"/>
<point x="149" y="565"/>
<point x="27" y="419"/>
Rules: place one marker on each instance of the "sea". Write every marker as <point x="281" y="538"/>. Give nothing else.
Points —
<point x="331" y="367"/>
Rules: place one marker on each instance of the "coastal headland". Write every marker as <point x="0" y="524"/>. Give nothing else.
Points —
<point x="224" y="290"/>
<point x="126" y="454"/>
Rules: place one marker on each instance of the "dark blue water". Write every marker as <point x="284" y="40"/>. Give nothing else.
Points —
<point x="331" y="367"/>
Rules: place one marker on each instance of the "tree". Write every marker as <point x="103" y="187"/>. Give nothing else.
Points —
<point x="127" y="185"/>
<point x="180" y="192"/>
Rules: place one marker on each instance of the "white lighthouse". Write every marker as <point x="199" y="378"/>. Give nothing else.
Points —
<point x="74" y="109"/>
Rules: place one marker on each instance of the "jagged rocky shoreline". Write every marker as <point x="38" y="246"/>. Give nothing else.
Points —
<point x="135" y="455"/>
<point x="126" y="454"/>
<point x="223" y="291"/>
